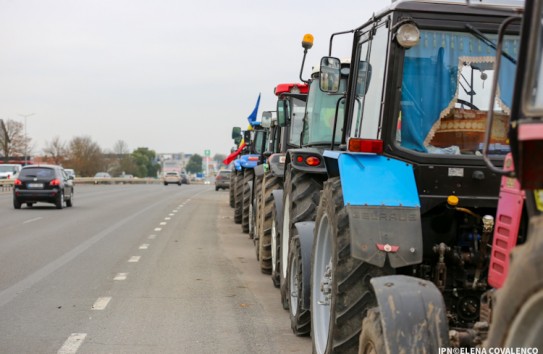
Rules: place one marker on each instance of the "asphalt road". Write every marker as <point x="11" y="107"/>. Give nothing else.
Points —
<point x="136" y="269"/>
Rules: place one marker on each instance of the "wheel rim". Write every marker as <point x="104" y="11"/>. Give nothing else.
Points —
<point x="274" y="245"/>
<point x="321" y="285"/>
<point x="293" y="282"/>
<point x="285" y="237"/>
<point x="527" y="327"/>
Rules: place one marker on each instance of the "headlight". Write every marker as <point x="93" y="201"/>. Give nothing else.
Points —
<point x="408" y="35"/>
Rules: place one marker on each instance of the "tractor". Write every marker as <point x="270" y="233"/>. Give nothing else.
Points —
<point x="403" y="234"/>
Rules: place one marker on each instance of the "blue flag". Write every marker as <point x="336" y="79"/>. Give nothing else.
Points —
<point x="252" y="116"/>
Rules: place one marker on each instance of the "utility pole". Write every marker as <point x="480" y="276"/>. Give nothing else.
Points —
<point x="26" y="136"/>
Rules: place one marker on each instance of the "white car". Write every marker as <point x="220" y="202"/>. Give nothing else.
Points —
<point x="172" y="177"/>
<point x="9" y="170"/>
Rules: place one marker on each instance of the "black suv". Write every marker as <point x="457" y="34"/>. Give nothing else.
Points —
<point x="43" y="183"/>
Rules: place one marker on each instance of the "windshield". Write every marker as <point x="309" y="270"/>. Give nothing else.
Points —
<point x="320" y="113"/>
<point x="446" y="90"/>
<point x="8" y="168"/>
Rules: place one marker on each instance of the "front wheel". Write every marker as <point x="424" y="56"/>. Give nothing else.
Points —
<point x="341" y="292"/>
<point x="275" y="250"/>
<point x="372" y="337"/>
<point x="300" y="319"/>
<point x="300" y="201"/>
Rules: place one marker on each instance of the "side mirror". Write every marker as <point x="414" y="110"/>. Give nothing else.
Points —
<point x="267" y="117"/>
<point x="236" y="133"/>
<point x="329" y="74"/>
<point x="283" y="113"/>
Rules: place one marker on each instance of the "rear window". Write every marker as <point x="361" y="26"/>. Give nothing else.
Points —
<point x="225" y="174"/>
<point x="38" y="172"/>
<point x="171" y="174"/>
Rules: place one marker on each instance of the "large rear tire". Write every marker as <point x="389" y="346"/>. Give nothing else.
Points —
<point x="516" y="319"/>
<point x="300" y="201"/>
<point x="247" y="202"/>
<point x="275" y="250"/>
<point x="16" y="203"/>
<point x="341" y="292"/>
<point x="238" y="197"/>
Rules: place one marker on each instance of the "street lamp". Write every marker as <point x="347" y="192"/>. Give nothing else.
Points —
<point x="26" y="136"/>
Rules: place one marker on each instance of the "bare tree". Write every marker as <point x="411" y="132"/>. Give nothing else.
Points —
<point x="124" y="162"/>
<point x="56" y="150"/>
<point x="120" y="148"/>
<point x="85" y="156"/>
<point x="12" y="139"/>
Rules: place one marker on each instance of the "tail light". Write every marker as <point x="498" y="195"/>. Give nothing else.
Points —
<point x="18" y="182"/>
<point x="309" y="160"/>
<point x="55" y="182"/>
<point x="366" y="145"/>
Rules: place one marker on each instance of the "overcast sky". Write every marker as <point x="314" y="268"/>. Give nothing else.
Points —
<point x="170" y="75"/>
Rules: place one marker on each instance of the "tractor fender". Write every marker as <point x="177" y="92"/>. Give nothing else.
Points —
<point x="278" y="203"/>
<point x="276" y="163"/>
<point x="382" y="202"/>
<point x="294" y="154"/>
<point x="305" y="235"/>
<point x="413" y="314"/>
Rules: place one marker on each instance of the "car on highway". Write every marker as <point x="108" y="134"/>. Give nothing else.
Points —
<point x="171" y="177"/>
<point x="222" y="180"/>
<point x="102" y="177"/>
<point x="70" y="172"/>
<point x="43" y="183"/>
<point x="9" y="170"/>
<point x="184" y="178"/>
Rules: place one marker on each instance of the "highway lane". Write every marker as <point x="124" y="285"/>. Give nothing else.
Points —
<point x="135" y="269"/>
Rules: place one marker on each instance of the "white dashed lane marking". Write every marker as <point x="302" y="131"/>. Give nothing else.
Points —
<point x="152" y="237"/>
<point x="158" y="229"/>
<point x="101" y="303"/>
<point x="163" y="223"/>
<point x="134" y="259"/>
<point x="72" y="344"/>
<point x="144" y="246"/>
<point x="121" y="276"/>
